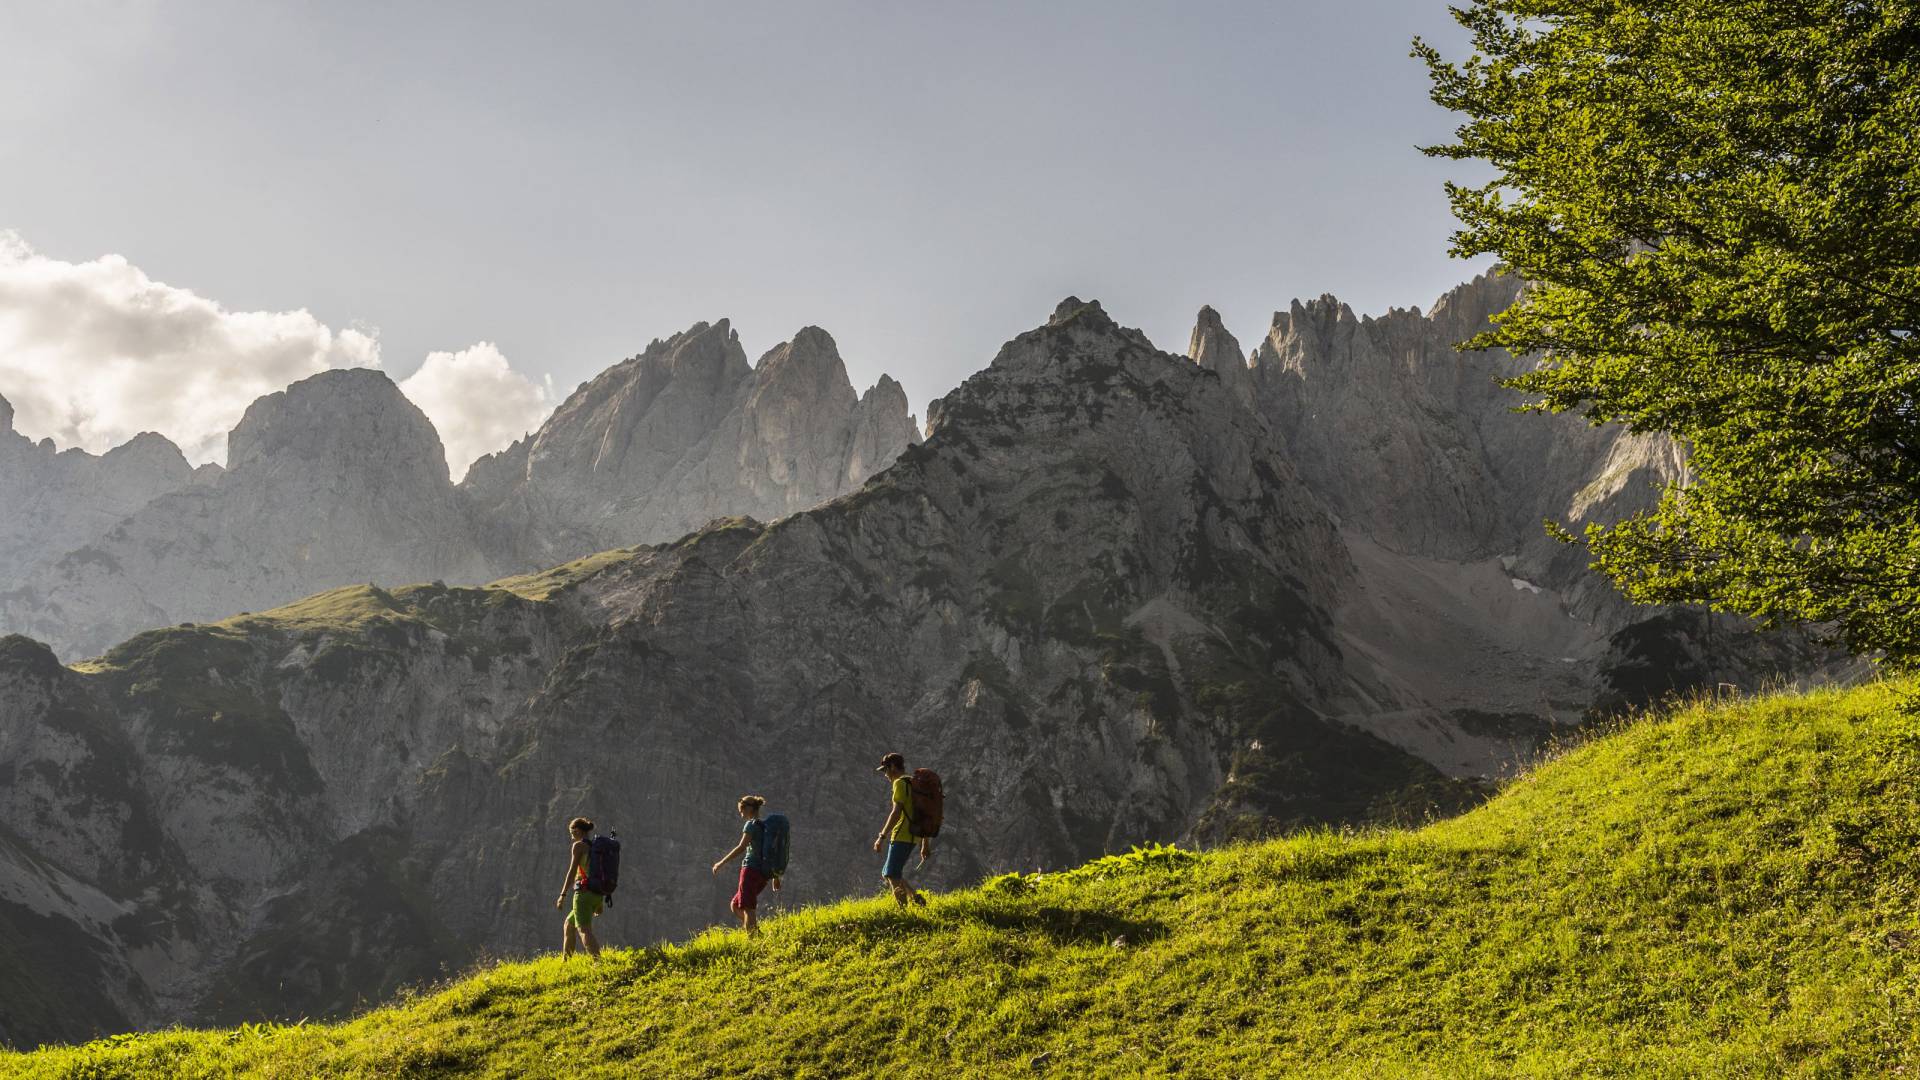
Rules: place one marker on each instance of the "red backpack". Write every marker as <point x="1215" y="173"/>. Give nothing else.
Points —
<point x="929" y="802"/>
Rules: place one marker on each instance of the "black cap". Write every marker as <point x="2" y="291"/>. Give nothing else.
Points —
<point x="891" y="761"/>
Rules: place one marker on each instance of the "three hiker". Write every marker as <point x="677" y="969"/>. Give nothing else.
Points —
<point x="914" y="810"/>
<point x="756" y="869"/>
<point x="897" y="835"/>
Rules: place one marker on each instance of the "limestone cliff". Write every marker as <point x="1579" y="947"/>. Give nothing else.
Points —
<point x="1115" y="595"/>
<point x="1097" y="598"/>
<point x="339" y="478"/>
<point x="53" y="502"/>
<point x="1471" y="635"/>
<point x="686" y="432"/>
<point x="334" y="481"/>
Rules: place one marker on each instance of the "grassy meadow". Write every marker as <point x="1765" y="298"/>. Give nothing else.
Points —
<point x="1726" y="890"/>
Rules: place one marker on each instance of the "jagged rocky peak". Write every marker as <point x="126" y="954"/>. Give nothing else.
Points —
<point x="801" y="428"/>
<point x="617" y="424"/>
<point x="336" y="479"/>
<point x="54" y="501"/>
<point x="1072" y="307"/>
<point x="1213" y="348"/>
<point x="686" y="432"/>
<point x="1211" y="341"/>
<point x="1073" y="321"/>
<point x="350" y="419"/>
<point x="886" y="391"/>
<point x="807" y="367"/>
<point x="886" y="403"/>
<point x="881" y="427"/>
<point x="1306" y="330"/>
<point x="702" y="351"/>
<point x="1089" y="316"/>
<point x="152" y="448"/>
<point x="1060" y="375"/>
<point x="1470" y="306"/>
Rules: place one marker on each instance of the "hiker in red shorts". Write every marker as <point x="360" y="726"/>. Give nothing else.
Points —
<point x="754" y="871"/>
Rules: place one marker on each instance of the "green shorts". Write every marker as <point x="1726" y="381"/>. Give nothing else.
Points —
<point x="585" y="906"/>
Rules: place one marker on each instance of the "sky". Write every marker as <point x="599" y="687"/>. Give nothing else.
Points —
<point x="202" y="201"/>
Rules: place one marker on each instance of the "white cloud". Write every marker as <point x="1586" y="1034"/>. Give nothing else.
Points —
<point x="93" y="353"/>
<point x="477" y="401"/>
<point x="96" y="352"/>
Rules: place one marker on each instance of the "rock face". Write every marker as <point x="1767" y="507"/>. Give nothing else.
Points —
<point x="53" y="502"/>
<point x="335" y="480"/>
<point x="1216" y="350"/>
<point x="339" y="478"/>
<point x="1471" y="634"/>
<point x="1416" y="447"/>
<point x="686" y="432"/>
<point x="1116" y="595"/>
<point x="1097" y="598"/>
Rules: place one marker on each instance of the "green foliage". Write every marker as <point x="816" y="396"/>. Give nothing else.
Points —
<point x="1153" y="857"/>
<point x="1727" y="891"/>
<point x="1719" y="203"/>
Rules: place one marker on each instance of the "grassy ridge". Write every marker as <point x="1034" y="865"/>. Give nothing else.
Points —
<point x="1726" y="891"/>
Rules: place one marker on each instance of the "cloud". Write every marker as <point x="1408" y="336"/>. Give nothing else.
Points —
<point x="93" y="353"/>
<point x="96" y="352"/>
<point x="477" y="401"/>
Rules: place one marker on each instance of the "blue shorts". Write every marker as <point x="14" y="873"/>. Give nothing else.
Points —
<point x="897" y="853"/>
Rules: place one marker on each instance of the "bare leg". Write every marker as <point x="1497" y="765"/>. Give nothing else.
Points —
<point x="747" y="920"/>
<point x="913" y="894"/>
<point x="566" y="939"/>
<point x="592" y="943"/>
<point x="903" y="893"/>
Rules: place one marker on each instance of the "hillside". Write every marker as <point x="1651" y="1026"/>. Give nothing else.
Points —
<point x="1725" y="891"/>
<point x="1097" y="597"/>
<point x="1093" y="596"/>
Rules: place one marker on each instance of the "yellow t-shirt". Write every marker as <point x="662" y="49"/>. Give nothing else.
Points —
<point x="903" y="798"/>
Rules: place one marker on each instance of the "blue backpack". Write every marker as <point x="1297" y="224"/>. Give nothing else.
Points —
<point x="603" y="865"/>
<point x="775" y="839"/>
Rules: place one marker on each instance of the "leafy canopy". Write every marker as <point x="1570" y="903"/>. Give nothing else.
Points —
<point x="1719" y="204"/>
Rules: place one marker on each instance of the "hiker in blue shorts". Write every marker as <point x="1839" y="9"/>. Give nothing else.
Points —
<point x="896" y="836"/>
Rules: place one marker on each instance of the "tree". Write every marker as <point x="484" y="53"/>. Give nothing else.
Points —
<point x="1718" y="205"/>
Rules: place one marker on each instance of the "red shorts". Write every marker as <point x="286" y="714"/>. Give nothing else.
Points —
<point x="751" y="882"/>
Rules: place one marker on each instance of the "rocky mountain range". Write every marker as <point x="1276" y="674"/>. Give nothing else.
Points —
<point x="336" y="480"/>
<point x="57" y="500"/>
<point x="1115" y="595"/>
<point x="687" y="432"/>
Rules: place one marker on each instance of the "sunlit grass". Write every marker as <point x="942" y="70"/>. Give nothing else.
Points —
<point x="544" y="584"/>
<point x="1726" y="891"/>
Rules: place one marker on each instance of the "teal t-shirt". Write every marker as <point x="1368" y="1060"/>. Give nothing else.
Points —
<point x="756" y="850"/>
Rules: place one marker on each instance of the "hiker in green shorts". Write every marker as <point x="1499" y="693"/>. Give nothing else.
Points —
<point x="586" y="903"/>
<point x="896" y="836"/>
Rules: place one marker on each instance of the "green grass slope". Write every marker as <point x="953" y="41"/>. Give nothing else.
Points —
<point x="1726" y="891"/>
